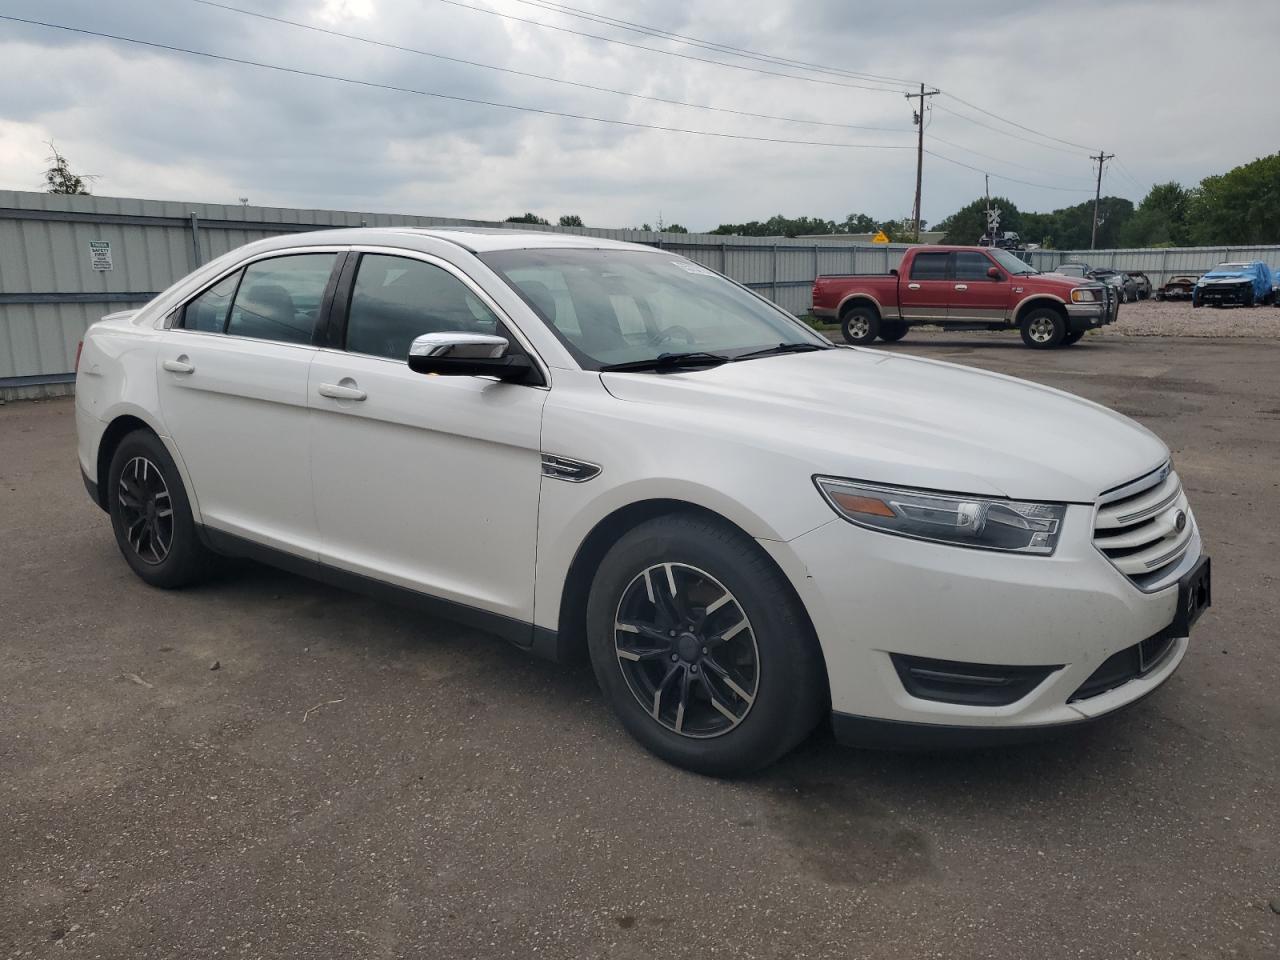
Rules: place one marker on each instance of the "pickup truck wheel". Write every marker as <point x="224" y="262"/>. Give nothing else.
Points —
<point x="892" y="331"/>
<point x="860" y="325"/>
<point x="1072" y="336"/>
<point x="701" y="647"/>
<point x="151" y="516"/>
<point x="1043" y="329"/>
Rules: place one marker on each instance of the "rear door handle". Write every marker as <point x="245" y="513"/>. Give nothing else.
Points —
<point x="181" y="365"/>
<point x="346" y="390"/>
<point x="962" y="286"/>
<point x="913" y="286"/>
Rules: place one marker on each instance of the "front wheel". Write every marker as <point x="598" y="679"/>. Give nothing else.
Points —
<point x="1073" y="336"/>
<point x="893" y="331"/>
<point x="151" y="516"/>
<point x="1043" y="329"/>
<point x="701" y="647"/>
<point x="860" y="325"/>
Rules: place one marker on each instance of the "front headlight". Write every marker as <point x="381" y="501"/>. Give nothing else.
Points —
<point x="1084" y="295"/>
<point x="985" y="523"/>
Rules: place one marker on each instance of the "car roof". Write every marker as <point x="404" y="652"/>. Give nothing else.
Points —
<point x="475" y="239"/>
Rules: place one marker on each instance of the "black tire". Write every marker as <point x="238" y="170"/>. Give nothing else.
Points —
<point x="164" y="551"/>
<point x="785" y="691"/>
<point x="1073" y="336"/>
<point x="1248" y="298"/>
<point x="891" y="331"/>
<point x="860" y="325"/>
<point x="1043" y="328"/>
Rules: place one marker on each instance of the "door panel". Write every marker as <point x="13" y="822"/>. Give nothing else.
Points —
<point x="924" y="295"/>
<point x="428" y="482"/>
<point x="239" y="421"/>
<point x="976" y="296"/>
<point x="236" y="407"/>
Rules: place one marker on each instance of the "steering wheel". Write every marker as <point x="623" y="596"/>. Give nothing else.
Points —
<point x="672" y="333"/>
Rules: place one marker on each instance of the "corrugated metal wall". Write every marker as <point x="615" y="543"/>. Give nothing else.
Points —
<point x="49" y="292"/>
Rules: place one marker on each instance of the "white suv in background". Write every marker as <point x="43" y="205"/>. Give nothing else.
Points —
<point x="588" y="445"/>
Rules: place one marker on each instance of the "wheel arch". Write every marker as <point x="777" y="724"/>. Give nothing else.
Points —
<point x="572" y="611"/>
<point x="859" y="300"/>
<point x="1038" y="302"/>
<point x="125" y="421"/>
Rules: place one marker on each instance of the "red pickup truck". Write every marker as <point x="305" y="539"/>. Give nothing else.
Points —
<point x="965" y="288"/>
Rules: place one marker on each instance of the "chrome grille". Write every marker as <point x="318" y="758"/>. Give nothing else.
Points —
<point x="1145" y="527"/>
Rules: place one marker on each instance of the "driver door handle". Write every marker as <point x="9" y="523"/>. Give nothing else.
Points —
<point x="913" y="286"/>
<point x="338" y="391"/>
<point x="962" y="286"/>
<point x="181" y="365"/>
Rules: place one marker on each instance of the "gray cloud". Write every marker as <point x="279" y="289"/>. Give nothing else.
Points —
<point x="1115" y="74"/>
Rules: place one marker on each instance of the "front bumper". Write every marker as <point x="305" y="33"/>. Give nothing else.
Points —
<point x="871" y="596"/>
<point x="1090" y="316"/>
<point x="1224" y="294"/>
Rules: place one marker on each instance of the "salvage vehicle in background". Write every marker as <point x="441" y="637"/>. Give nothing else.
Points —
<point x="1142" y="283"/>
<point x="1125" y="286"/>
<point x="1178" y="287"/>
<point x="1244" y="284"/>
<point x="964" y="288"/>
<point x="598" y="447"/>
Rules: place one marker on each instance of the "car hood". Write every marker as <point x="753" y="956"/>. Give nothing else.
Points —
<point x="895" y="419"/>
<point x="1227" y="275"/>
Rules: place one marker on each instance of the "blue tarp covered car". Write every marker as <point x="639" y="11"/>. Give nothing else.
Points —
<point x="1244" y="283"/>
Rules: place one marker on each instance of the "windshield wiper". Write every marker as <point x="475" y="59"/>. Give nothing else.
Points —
<point x="669" y="361"/>
<point x="782" y="348"/>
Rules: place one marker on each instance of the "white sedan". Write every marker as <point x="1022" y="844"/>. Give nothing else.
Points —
<point x="585" y="445"/>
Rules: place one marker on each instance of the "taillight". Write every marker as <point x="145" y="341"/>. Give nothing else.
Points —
<point x="79" y="348"/>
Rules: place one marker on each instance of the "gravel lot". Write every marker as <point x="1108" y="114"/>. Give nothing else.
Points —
<point x="1177" y="318"/>
<point x="265" y="767"/>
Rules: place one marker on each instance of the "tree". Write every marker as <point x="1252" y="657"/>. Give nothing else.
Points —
<point x="676" y="228"/>
<point x="529" y="218"/>
<point x="857" y="223"/>
<point x="571" y="220"/>
<point x="1160" y="220"/>
<point x="60" y="179"/>
<point x="969" y="223"/>
<point x="1241" y="206"/>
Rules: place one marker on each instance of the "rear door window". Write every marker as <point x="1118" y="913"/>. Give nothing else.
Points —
<point x="930" y="266"/>
<point x="280" y="299"/>
<point x="208" y="312"/>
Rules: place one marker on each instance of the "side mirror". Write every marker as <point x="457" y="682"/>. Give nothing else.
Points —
<point x="994" y="273"/>
<point x="467" y="355"/>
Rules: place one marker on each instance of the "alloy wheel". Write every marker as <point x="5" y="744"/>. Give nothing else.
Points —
<point x="687" y="650"/>
<point x="859" y="327"/>
<point x="1041" y="329"/>
<point x="146" y="510"/>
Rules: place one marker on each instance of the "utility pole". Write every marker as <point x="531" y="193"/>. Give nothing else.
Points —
<point x="1101" y="158"/>
<point x="986" y="179"/>
<point x="919" y="150"/>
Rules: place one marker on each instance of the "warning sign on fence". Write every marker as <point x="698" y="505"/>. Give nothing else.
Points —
<point x="100" y="254"/>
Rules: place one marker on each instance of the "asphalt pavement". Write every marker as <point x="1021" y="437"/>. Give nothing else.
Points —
<point x="266" y="767"/>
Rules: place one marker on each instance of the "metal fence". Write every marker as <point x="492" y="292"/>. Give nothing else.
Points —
<point x="66" y="261"/>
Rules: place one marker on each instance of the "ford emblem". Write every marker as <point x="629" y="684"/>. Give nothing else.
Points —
<point x="1180" y="521"/>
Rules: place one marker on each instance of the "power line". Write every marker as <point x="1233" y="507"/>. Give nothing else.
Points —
<point x="987" y="156"/>
<point x="974" y="106"/>
<point x="1006" y="133"/>
<point x="652" y="31"/>
<point x="535" y="76"/>
<point x="666" y="53"/>
<point x="448" y="96"/>
<point x="1001" y="176"/>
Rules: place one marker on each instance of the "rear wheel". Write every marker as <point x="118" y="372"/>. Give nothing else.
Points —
<point x="151" y="516"/>
<point x="701" y="647"/>
<point x="860" y="325"/>
<point x="892" y="331"/>
<point x="1043" y="329"/>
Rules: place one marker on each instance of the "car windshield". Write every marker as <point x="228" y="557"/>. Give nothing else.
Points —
<point x="630" y="306"/>
<point x="1011" y="263"/>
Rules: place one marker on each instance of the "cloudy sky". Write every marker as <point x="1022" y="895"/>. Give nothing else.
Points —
<point x="1176" y="92"/>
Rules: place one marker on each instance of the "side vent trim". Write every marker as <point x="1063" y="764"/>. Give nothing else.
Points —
<point x="568" y="469"/>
